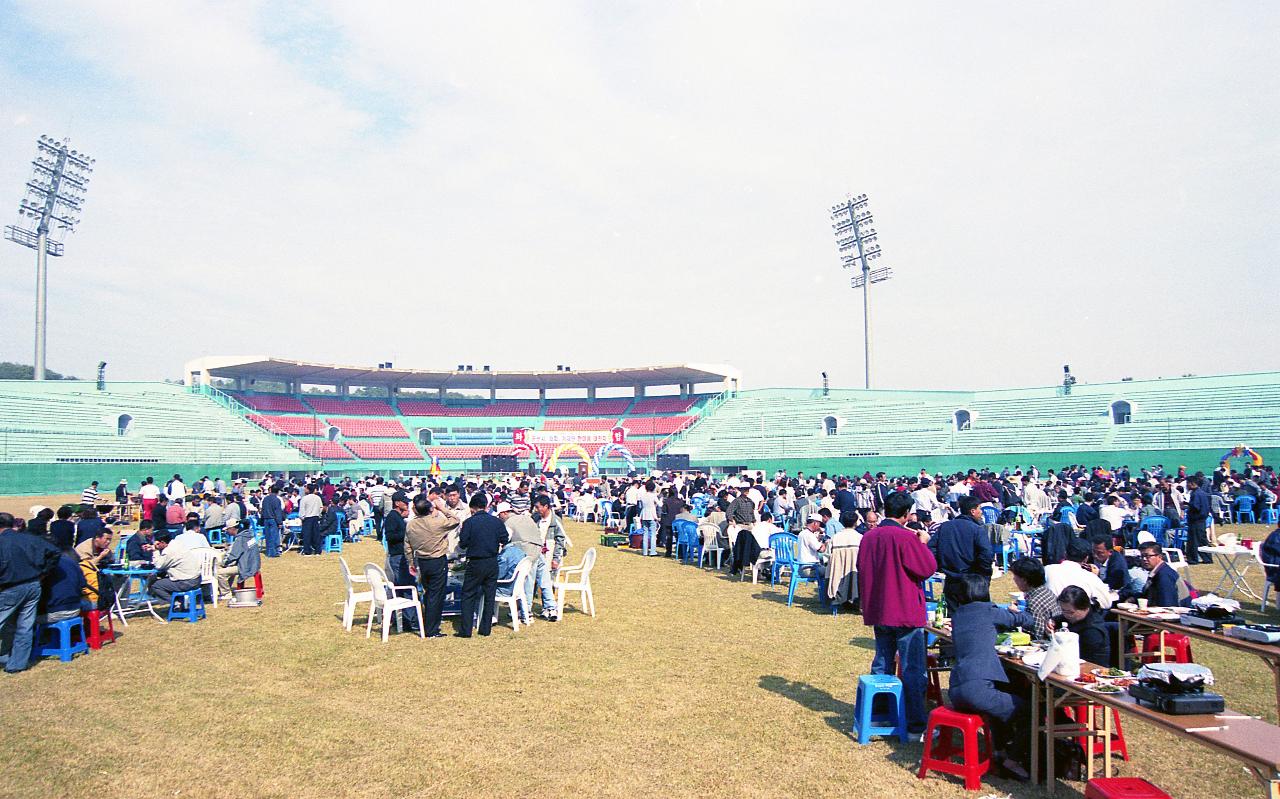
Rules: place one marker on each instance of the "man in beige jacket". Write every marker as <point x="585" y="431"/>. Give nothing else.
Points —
<point x="426" y="546"/>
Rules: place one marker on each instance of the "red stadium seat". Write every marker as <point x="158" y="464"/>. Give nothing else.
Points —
<point x="663" y="405"/>
<point x="290" y="425"/>
<point x="355" y="407"/>
<point x="604" y="407"/>
<point x="369" y="428"/>
<point x="580" y="424"/>
<point x="384" y="450"/>
<point x="279" y="404"/>
<point x="329" y="450"/>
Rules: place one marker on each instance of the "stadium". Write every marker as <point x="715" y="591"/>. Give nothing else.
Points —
<point x="57" y="435"/>
<point x="445" y="400"/>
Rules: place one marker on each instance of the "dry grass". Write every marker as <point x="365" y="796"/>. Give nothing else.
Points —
<point x="687" y="684"/>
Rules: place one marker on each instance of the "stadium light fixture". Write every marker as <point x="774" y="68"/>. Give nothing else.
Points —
<point x="50" y="210"/>
<point x="857" y="244"/>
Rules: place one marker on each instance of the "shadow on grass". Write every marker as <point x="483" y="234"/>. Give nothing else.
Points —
<point x="837" y="713"/>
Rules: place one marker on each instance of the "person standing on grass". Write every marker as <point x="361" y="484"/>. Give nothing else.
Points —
<point x="554" y="540"/>
<point x="892" y="564"/>
<point x="25" y="560"/>
<point x="272" y="515"/>
<point x="309" y="511"/>
<point x="426" y="545"/>
<point x="483" y="536"/>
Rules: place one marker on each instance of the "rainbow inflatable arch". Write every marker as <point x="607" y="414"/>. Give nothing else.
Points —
<point x="1241" y="451"/>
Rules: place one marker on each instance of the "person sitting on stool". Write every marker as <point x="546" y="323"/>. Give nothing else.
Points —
<point x="482" y="536"/>
<point x="180" y="566"/>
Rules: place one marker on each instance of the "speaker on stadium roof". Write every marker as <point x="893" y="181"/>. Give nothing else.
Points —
<point x="673" y="463"/>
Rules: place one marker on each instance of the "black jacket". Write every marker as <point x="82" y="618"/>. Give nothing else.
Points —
<point x="25" y="557"/>
<point x="962" y="546"/>
<point x="393" y="532"/>
<point x="482" y="536"/>
<point x="1095" y="644"/>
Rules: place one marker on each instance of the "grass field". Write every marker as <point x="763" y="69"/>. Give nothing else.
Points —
<point x="686" y="684"/>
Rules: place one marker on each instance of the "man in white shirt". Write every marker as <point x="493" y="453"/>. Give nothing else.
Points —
<point x="176" y="490"/>
<point x="1073" y="571"/>
<point x="926" y="501"/>
<point x="191" y="537"/>
<point x="179" y="564"/>
<point x="811" y="547"/>
<point x="1112" y="513"/>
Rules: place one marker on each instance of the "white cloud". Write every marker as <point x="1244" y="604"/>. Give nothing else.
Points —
<point x="397" y="179"/>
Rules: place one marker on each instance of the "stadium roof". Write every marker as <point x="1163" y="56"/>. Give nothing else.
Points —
<point x="277" y="369"/>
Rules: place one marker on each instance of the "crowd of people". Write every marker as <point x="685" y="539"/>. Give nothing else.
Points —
<point x="485" y="527"/>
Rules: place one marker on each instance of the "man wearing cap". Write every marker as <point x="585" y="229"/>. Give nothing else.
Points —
<point x="426" y="546"/>
<point x="241" y="561"/>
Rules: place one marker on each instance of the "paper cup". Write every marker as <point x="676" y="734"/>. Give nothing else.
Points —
<point x="1142" y="603"/>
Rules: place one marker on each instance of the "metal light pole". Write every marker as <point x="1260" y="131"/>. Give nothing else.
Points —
<point x="856" y="240"/>
<point x="55" y="195"/>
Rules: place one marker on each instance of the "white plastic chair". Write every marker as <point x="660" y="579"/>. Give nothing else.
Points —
<point x="1266" y="583"/>
<point x="709" y="532"/>
<point x="581" y="583"/>
<point x="209" y="572"/>
<point x="1174" y="558"/>
<point x="517" y="598"/>
<point x="353" y="597"/>
<point x="380" y="590"/>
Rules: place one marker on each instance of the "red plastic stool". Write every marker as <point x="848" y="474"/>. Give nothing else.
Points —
<point x="1076" y="711"/>
<point x="933" y="694"/>
<point x="1179" y="644"/>
<point x="257" y="584"/>
<point x="93" y="629"/>
<point x="1122" y="788"/>
<point x="937" y="757"/>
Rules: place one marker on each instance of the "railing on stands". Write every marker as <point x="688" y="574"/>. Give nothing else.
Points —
<point x="240" y="409"/>
<point x="707" y="410"/>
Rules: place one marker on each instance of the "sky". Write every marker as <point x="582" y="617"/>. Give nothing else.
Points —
<point x="626" y="184"/>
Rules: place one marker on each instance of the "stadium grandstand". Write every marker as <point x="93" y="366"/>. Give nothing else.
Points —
<point x="244" y="416"/>
<point x="1187" y="421"/>
<point x="59" y="433"/>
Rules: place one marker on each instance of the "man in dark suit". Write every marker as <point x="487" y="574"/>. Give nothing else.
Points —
<point x="482" y="537"/>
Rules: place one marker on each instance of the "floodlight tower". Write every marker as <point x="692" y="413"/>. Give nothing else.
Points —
<point x="856" y="240"/>
<point x="55" y="195"/>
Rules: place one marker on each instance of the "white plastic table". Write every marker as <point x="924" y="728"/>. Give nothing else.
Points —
<point x="1232" y="573"/>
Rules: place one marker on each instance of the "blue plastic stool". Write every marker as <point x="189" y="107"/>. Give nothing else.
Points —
<point x="65" y="648"/>
<point x="333" y="543"/>
<point x="215" y="537"/>
<point x="192" y="603"/>
<point x="1271" y="516"/>
<point x="866" y="722"/>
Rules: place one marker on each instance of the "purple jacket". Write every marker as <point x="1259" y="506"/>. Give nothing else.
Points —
<point x="891" y="565"/>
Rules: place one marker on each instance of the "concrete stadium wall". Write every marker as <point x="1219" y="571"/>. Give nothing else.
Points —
<point x="1195" y="460"/>
<point x="70" y="478"/>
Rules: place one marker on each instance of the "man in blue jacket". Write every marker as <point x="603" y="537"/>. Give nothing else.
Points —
<point x="25" y="559"/>
<point x="272" y="519"/>
<point x="962" y="546"/>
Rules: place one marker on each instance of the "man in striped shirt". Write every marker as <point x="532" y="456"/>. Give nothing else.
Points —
<point x="89" y="496"/>
<point x="520" y="500"/>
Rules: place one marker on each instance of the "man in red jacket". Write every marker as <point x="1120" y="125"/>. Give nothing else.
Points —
<point x="892" y="563"/>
